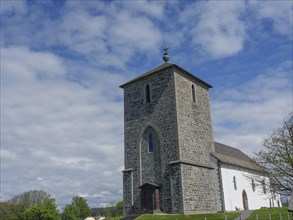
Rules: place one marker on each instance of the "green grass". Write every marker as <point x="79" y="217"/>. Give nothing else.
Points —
<point x="212" y="216"/>
<point x="263" y="214"/>
<point x="113" y="218"/>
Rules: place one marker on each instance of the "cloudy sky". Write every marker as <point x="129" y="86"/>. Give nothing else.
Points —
<point x="62" y="63"/>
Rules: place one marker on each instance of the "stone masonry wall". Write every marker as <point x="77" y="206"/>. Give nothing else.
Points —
<point x="195" y="145"/>
<point x="127" y="189"/>
<point x="217" y="184"/>
<point x="182" y="135"/>
<point x="194" y="121"/>
<point x="160" y="115"/>
<point x="199" y="190"/>
<point x="176" y="189"/>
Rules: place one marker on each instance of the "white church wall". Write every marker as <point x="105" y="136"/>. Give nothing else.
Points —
<point x="233" y="198"/>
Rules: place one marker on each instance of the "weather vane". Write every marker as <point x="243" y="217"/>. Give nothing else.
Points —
<point x="166" y="56"/>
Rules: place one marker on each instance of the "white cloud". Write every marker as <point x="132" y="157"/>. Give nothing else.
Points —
<point x="245" y="115"/>
<point x="150" y="8"/>
<point x="12" y="7"/>
<point x="100" y="38"/>
<point x="219" y="29"/>
<point x="83" y="32"/>
<point x="35" y="65"/>
<point x="53" y="128"/>
<point x="103" y="37"/>
<point x="140" y="31"/>
<point x="279" y="12"/>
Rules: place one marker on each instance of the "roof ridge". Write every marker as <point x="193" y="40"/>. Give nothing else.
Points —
<point x="161" y="67"/>
<point x="158" y="68"/>
<point x="234" y="156"/>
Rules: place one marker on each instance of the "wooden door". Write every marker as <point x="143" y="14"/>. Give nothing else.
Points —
<point x="149" y="200"/>
<point x="244" y="200"/>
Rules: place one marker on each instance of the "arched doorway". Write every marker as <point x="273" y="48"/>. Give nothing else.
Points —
<point x="244" y="200"/>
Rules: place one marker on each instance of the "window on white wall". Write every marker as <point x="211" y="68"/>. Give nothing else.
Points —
<point x="235" y="183"/>
<point x="264" y="186"/>
<point x="253" y="185"/>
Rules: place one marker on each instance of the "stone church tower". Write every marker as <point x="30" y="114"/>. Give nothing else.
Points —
<point x="168" y="143"/>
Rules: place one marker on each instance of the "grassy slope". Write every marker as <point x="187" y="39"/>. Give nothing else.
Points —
<point x="215" y="216"/>
<point x="274" y="213"/>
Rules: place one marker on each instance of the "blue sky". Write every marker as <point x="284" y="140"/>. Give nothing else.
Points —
<point x="62" y="63"/>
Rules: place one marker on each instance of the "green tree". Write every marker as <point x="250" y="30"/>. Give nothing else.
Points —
<point x="70" y="212"/>
<point x="119" y="208"/>
<point x="81" y="203"/>
<point x="277" y="158"/>
<point x="29" y="198"/>
<point x="10" y="211"/>
<point x="47" y="210"/>
<point x="114" y="209"/>
<point x="78" y="209"/>
<point x="16" y="207"/>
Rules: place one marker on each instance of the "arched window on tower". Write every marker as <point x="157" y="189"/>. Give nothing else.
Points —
<point x="147" y="94"/>
<point x="193" y="93"/>
<point x="151" y="143"/>
<point x="235" y="183"/>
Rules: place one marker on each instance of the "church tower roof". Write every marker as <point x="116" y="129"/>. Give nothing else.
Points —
<point x="162" y="67"/>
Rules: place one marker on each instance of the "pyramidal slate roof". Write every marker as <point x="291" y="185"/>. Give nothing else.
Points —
<point x="233" y="156"/>
<point x="165" y="66"/>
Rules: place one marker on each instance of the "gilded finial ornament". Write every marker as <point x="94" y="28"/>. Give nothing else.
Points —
<point x="166" y="56"/>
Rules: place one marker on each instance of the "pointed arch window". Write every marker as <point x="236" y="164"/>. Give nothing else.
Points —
<point x="151" y="143"/>
<point x="147" y="93"/>
<point x="193" y="93"/>
<point x="235" y="183"/>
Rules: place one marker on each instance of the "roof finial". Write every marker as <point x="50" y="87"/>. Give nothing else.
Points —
<point x="166" y="56"/>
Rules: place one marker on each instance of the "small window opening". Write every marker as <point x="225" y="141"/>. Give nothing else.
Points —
<point x="253" y="185"/>
<point x="264" y="186"/>
<point x="147" y="93"/>
<point x="151" y="143"/>
<point x="193" y="93"/>
<point x="235" y="183"/>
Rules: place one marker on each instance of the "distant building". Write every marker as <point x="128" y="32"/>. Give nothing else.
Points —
<point x="172" y="163"/>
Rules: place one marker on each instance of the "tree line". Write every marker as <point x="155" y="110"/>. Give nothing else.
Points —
<point x="112" y="210"/>
<point x="39" y="205"/>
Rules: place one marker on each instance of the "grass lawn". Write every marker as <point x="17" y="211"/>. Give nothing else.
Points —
<point x="214" y="216"/>
<point x="273" y="212"/>
<point x="114" y="218"/>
